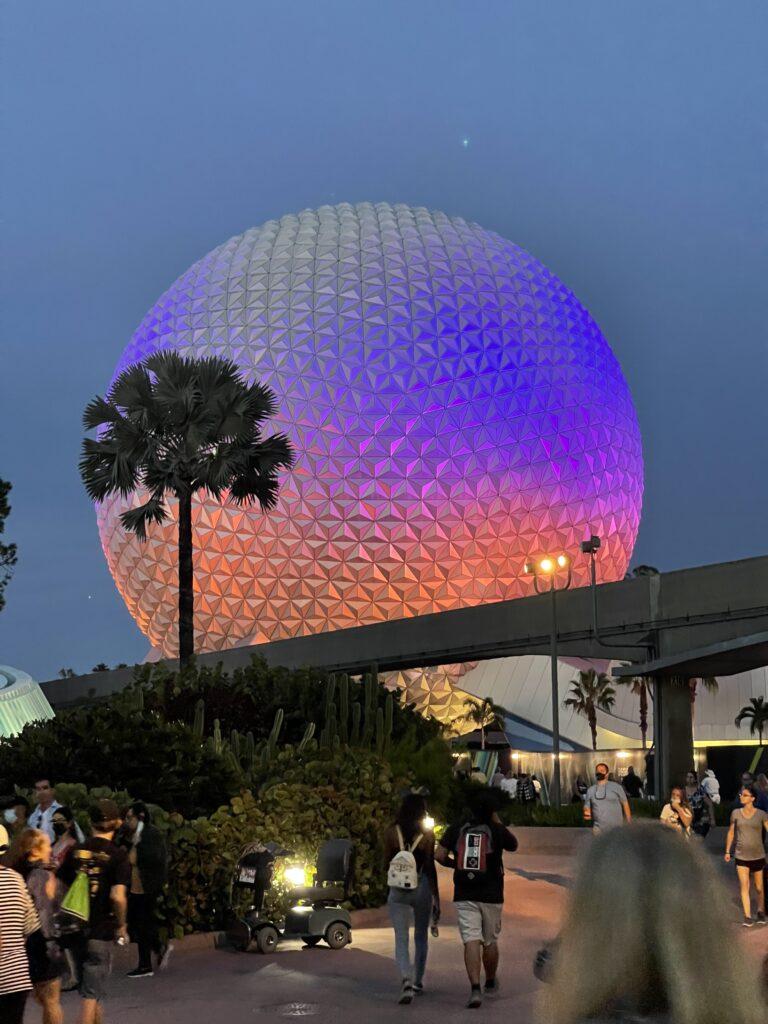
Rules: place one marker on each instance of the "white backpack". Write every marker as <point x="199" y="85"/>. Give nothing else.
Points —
<point x="403" y="872"/>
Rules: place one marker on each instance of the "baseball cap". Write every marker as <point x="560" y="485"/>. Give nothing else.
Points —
<point x="104" y="812"/>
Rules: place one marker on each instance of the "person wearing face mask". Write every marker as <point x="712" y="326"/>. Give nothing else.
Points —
<point x="606" y="805"/>
<point x="149" y="870"/>
<point x="15" y="814"/>
<point x="66" y="835"/>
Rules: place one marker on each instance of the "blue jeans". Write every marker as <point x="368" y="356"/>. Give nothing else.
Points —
<point x="411" y="907"/>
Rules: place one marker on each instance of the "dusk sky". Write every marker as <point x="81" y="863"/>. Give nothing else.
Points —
<point x="625" y="145"/>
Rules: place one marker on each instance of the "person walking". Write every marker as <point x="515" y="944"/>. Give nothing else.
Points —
<point x="605" y="805"/>
<point x="701" y="805"/>
<point x="18" y="920"/>
<point x="32" y="860"/>
<point x="526" y="791"/>
<point x="148" y="857"/>
<point x="648" y="943"/>
<point x="109" y="875"/>
<point x="475" y="851"/>
<point x="633" y="784"/>
<point x="749" y="825"/>
<point x="509" y="784"/>
<point x="580" y="788"/>
<point x="711" y="786"/>
<point x="414" y="900"/>
<point x="677" y="814"/>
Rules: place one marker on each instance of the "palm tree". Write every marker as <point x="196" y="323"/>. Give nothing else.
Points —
<point x="756" y="713"/>
<point x="708" y="683"/>
<point x="641" y="688"/>
<point x="484" y="714"/>
<point x="172" y="426"/>
<point x="591" y="693"/>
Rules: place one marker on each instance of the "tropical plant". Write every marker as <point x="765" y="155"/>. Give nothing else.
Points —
<point x="641" y="688"/>
<point x="708" y="683"/>
<point x="590" y="693"/>
<point x="483" y="714"/>
<point x="173" y="426"/>
<point x="7" y="551"/>
<point x="756" y="713"/>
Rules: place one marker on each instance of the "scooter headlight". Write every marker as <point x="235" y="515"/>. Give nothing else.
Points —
<point x="296" y="875"/>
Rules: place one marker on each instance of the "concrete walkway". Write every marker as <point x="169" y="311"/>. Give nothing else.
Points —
<point x="360" y="983"/>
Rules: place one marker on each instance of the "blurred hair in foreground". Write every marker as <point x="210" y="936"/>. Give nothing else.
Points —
<point x="647" y="932"/>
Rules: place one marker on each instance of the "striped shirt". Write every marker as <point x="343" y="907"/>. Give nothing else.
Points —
<point x="18" y="919"/>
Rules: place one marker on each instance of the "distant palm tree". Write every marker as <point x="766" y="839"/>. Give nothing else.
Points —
<point x="590" y="693"/>
<point x="173" y="426"/>
<point x="484" y="714"/>
<point x="708" y="683"/>
<point x="641" y="688"/>
<point x="756" y="713"/>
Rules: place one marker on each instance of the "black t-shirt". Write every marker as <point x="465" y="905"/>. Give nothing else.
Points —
<point x="633" y="785"/>
<point x="108" y="866"/>
<point x="488" y="886"/>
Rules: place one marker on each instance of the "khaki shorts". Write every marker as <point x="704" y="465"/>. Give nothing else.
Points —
<point x="479" y="922"/>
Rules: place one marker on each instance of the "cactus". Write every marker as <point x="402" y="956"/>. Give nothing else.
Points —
<point x="140" y="700"/>
<point x="250" y="749"/>
<point x="216" y="736"/>
<point x="198" y="726"/>
<point x="344" y="708"/>
<point x="234" y="743"/>
<point x="357" y="716"/>
<point x="265" y="756"/>
<point x="330" y="693"/>
<point x="370" y="706"/>
<point x="274" y="735"/>
<point x="389" y="720"/>
<point x="309" y="732"/>
<point x="379" y="732"/>
<point x="333" y="725"/>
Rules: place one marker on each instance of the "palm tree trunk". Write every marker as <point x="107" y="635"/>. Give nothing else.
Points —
<point x="592" y="719"/>
<point x="186" y="582"/>
<point x="644" y="713"/>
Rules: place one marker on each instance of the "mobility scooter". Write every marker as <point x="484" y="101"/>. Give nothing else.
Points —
<point x="315" y="912"/>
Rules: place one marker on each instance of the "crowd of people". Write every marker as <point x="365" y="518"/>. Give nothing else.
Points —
<point x="67" y="899"/>
<point x="47" y="944"/>
<point x="646" y="919"/>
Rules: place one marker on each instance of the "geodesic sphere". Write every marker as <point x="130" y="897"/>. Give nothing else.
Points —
<point x="454" y="409"/>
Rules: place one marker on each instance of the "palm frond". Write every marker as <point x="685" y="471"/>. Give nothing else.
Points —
<point x="136" y="520"/>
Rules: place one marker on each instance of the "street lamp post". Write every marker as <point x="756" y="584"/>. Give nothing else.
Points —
<point x="547" y="568"/>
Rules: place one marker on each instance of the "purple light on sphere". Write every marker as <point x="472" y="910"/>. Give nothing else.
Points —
<point x="454" y="409"/>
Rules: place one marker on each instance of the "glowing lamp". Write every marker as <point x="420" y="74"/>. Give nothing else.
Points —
<point x="296" y="875"/>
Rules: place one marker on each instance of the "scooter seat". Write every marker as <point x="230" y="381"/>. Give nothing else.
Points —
<point x="319" y="893"/>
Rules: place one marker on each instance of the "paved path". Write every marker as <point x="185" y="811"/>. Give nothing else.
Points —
<point x="358" y="984"/>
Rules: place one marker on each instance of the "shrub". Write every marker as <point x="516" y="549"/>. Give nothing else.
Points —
<point x="331" y="795"/>
<point x="162" y="762"/>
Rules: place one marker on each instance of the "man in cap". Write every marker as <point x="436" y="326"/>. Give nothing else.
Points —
<point x="109" y="875"/>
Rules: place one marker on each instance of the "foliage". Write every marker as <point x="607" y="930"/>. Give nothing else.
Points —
<point x="7" y="551"/>
<point x="756" y="713"/>
<point x="248" y="698"/>
<point x="330" y="793"/>
<point x="641" y="688"/>
<point x="484" y="714"/>
<point x="172" y="426"/>
<point x="163" y="762"/>
<point x="590" y="693"/>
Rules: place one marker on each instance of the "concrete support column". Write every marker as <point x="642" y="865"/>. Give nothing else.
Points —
<point x="674" y="725"/>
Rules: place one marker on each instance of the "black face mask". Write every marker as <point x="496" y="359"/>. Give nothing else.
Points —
<point x="601" y="776"/>
<point x="60" y="828"/>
